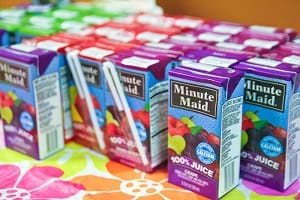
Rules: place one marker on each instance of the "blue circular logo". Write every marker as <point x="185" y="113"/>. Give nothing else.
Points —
<point x="26" y="121"/>
<point x="205" y="153"/>
<point x="141" y="130"/>
<point x="271" y="146"/>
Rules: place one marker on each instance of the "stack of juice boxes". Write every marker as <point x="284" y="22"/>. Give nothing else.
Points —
<point x="218" y="100"/>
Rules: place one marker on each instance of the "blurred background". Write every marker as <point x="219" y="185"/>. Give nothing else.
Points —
<point x="277" y="13"/>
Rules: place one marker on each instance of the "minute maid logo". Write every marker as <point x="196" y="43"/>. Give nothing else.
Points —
<point x="14" y="75"/>
<point x="194" y="97"/>
<point x="265" y="93"/>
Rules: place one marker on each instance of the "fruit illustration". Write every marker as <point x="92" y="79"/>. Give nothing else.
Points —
<point x="247" y="123"/>
<point x="244" y="138"/>
<point x="12" y="95"/>
<point x="188" y="121"/>
<point x="213" y="139"/>
<point x="75" y="115"/>
<point x="112" y="129"/>
<point x="252" y="116"/>
<point x="143" y="117"/>
<point x="176" y="143"/>
<point x="110" y="119"/>
<point x="6" y="114"/>
<point x="280" y="132"/>
<point x="176" y="127"/>
<point x="6" y="101"/>
<point x="260" y="124"/>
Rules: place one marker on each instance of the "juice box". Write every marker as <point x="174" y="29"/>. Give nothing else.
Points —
<point x="270" y="131"/>
<point x="291" y="57"/>
<point x="91" y="57"/>
<point x="288" y="33"/>
<point x="11" y="20"/>
<point x="222" y="27"/>
<point x="204" y="121"/>
<point x="257" y="41"/>
<point x="136" y="99"/>
<point x="38" y="26"/>
<point x="215" y="58"/>
<point x="60" y="44"/>
<point x="209" y="37"/>
<point x="31" y="107"/>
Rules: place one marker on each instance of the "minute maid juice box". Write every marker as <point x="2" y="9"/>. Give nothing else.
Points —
<point x="204" y="137"/>
<point x="31" y="107"/>
<point x="91" y="56"/>
<point x="270" y="135"/>
<point x="136" y="100"/>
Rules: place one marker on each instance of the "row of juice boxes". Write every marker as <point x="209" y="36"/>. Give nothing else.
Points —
<point x="217" y="100"/>
<point x="29" y="21"/>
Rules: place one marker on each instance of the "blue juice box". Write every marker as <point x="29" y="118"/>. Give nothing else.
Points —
<point x="204" y="128"/>
<point x="136" y="100"/>
<point x="270" y="131"/>
<point x="31" y="107"/>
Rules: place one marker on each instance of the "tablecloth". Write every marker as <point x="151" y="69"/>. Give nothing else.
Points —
<point x="79" y="173"/>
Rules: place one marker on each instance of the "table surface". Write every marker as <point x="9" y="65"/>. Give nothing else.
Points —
<point x="79" y="173"/>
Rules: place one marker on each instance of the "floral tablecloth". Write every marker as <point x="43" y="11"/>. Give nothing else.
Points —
<point x="79" y="173"/>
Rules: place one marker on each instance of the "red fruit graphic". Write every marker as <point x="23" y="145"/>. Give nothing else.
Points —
<point x="143" y="117"/>
<point x="176" y="127"/>
<point x="82" y="109"/>
<point x="6" y="101"/>
<point x="96" y="102"/>
<point x="213" y="139"/>
<point x="280" y="132"/>
<point x="247" y="123"/>
<point x="30" y="109"/>
<point x="111" y="129"/>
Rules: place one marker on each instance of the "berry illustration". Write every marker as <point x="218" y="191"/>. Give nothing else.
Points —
<point x="247" y="123"/>
<point x="176" y="127"/>
<point x="213" y="139"/>
<point x="280" y="133"/>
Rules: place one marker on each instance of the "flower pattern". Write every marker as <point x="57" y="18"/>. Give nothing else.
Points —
<point x="80" y="173"/>
<point x="126" y="183"/>
<point x="36" y="183"/>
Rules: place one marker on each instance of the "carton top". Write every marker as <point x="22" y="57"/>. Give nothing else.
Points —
<point x="258" y="39"/>
<point x="291" y="57"/>
<point x="297" y="41"/>
<point x="270" y="68"/>
<point x="198" y="76"/>
<point x="217" y="58"/>
<point x="234" y="75"/>
<point x="98" y="50"/>
<point x="227" y="47"/>
<point x="174" y="45"/>
<point x="288" y="33"/>
<point x="290" y="46"/>
<point x="209" y="37"/>
<point x="28" y="55"/>
<point x="222" y="27"/>
<point x="142" y="60"/>
<point x="58" y="42"/>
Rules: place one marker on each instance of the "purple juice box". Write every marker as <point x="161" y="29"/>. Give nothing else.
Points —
<point x="271" y="123"/>
<point x="288" y="33"/>
<point x="290" y="56"/>
<point x="255" y="41"/>
<point x="136" y="103"/>
<point x="204" y="121"/>
<point x="222" y="27"/>
<point x="31" y="107"/>
<point x="214" y="58"/>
